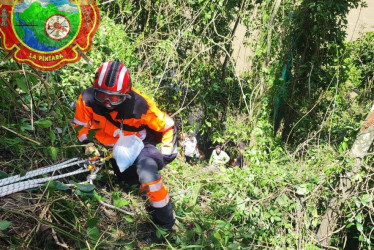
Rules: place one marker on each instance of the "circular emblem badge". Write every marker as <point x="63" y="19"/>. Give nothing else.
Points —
<point x="57" y="27"/>
<point x="47" y="34"/>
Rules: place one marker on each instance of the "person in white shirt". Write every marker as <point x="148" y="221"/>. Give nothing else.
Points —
<point x="190" y="145"/>
<point x="219" y="157"/>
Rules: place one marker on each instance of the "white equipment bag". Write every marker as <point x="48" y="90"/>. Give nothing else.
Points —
<point x="126" y="150"/>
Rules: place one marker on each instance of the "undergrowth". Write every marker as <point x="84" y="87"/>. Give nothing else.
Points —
<point x="276" y="202"/>
<point x="274" y="205"/>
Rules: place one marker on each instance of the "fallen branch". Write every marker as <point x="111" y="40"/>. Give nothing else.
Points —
<point x="22" y="136"/>
<point x="116" y="208"/>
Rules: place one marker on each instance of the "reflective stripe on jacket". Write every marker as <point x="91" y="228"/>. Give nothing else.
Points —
<point x="139" y="114"/>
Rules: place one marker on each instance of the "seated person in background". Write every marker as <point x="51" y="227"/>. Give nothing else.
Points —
<point x="240" y="159"/>
<point x="190" y="146"/>
<point x="219" y="157"/>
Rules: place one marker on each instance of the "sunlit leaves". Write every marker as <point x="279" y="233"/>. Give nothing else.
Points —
<point x="44" y="123"/>
<point x="118" y="201"/>
<point x="93" y="232"/>
<point x="53" y="152"/>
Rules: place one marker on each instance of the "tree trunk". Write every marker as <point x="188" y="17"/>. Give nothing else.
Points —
<point x="359" y="150"/>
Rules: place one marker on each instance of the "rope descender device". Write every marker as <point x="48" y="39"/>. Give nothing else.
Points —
<point x="96" y="160"/>
<point x="94" y="165"/>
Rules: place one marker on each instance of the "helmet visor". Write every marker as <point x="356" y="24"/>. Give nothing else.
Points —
<point x="113" y="98"/>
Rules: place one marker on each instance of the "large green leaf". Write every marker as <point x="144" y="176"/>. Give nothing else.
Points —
<point x="85" y="188"/>
<point x="21" y="83"/>
<point x="302" y="189"/>
<point x="60" y="186"/>
<point x="91" y="134"/>
<point x="93" y="233"/>
<point x="52" y="135"/>
<point x="44" y="123"/>
<point x="92" y="222"/>
<point x="4" y="224"/>
<point x="118" y="201"/>
<point x="53" y="152"/>
<point x="3" y="175"/>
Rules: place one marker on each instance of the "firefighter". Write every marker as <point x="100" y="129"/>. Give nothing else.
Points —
<point x="112" y="104"/>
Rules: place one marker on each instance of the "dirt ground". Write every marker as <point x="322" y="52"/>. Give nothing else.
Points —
<point x="359" y="21"/>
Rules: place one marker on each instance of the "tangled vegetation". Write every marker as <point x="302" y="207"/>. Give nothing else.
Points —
<point x="299" y="107"/>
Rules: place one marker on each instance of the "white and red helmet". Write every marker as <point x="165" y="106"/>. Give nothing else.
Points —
<point x="113" y="77"/>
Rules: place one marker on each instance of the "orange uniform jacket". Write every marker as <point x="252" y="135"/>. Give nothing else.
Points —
<point x="139" y="115"/>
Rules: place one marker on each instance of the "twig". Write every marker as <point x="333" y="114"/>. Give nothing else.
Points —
<point x="181" y="109"/>
<point x="180" y="34"/>
<point x="18" y="72"/>
<point x="56" y="98"/>
<point x="13" y="90"/>
<point x="31" y="98"/>
<point x="227" y="57"/>
<point x="109" y="1"/>
<point x="354" y="29"/>
<point x="236" y="74"/>
<point x="24" y="137"/>
<point x="305" y="115"/>
<point x="74" y="146"/>
<point x="270" y="29"/>
<point x="116" y="208"/>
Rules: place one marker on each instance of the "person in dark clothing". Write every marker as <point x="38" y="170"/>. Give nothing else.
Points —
<point x="240" y="159"/>
<point x="113" y="107"/>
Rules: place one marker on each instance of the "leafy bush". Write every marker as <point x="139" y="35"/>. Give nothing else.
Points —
<point x="179" y="52"/>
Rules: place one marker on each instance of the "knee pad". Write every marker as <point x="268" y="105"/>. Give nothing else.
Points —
<point x="147" y="170"/>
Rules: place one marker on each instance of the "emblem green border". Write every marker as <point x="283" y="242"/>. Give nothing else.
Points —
<point x="46" y="52"/>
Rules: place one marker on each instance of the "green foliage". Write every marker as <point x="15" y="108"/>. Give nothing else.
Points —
<point x="92" y="231"/>
<point x="179" y="52"/>
<point x="316" y="42"/>
<point x="118" y="201"/>
<point x="44" y="123"/>
<point x="180" y="61"/>
<point x="239" y="207"/>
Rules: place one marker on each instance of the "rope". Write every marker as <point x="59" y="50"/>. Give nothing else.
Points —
<point x="41" y="171"/>
<point x="20" y="186"/>
<point x="15" y="184"/>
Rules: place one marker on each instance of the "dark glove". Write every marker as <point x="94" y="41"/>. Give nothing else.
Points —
<point x="169" y="158"/>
